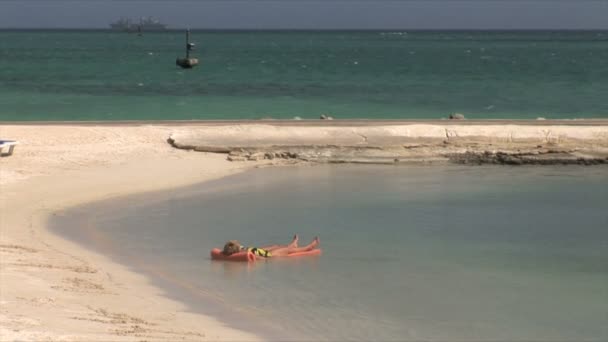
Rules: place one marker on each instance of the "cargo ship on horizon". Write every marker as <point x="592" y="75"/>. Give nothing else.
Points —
<point x="144" y="24"/>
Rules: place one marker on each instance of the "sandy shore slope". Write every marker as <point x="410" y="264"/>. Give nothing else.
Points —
<point x="52" y="289"/>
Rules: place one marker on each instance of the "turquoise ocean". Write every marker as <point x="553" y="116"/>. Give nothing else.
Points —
<point x="104" y="75"/>
<point x="417" y="253"/>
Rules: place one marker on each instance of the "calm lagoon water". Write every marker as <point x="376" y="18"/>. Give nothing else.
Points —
<point x="442" y="253"/>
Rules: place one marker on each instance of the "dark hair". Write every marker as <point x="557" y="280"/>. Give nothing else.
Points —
<point x="231" y="247"/>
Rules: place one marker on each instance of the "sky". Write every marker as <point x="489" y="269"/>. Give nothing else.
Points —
<point x="311" y="14"/>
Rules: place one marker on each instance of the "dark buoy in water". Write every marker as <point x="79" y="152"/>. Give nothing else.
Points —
<point x="187" y="63"/>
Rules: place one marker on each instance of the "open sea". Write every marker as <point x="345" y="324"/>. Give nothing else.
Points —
<point x="411" y="253"/>
<point x="104" y="75"/>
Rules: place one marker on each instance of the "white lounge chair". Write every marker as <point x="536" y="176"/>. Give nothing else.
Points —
<point x="7" y="143"/>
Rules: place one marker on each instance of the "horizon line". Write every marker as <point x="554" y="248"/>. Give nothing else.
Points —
<point x="298" y="29"/>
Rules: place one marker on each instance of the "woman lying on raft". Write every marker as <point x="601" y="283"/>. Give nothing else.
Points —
<point x="233" y="246"/>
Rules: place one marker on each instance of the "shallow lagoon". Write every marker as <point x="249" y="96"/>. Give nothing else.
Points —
<point x="444" y="253"/>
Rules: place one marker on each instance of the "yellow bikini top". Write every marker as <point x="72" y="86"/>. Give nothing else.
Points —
<point x="259" y="252"/>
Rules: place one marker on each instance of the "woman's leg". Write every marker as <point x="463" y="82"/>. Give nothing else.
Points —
<point x="272" y="247"/>
<point x="288" y="250"/>
<point x="292" y="244"/>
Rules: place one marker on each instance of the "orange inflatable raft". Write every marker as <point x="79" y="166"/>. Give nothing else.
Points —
<point x="216" y="254"/>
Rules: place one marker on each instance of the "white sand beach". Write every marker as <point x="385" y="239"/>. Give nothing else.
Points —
<point x="53" y="289"/>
